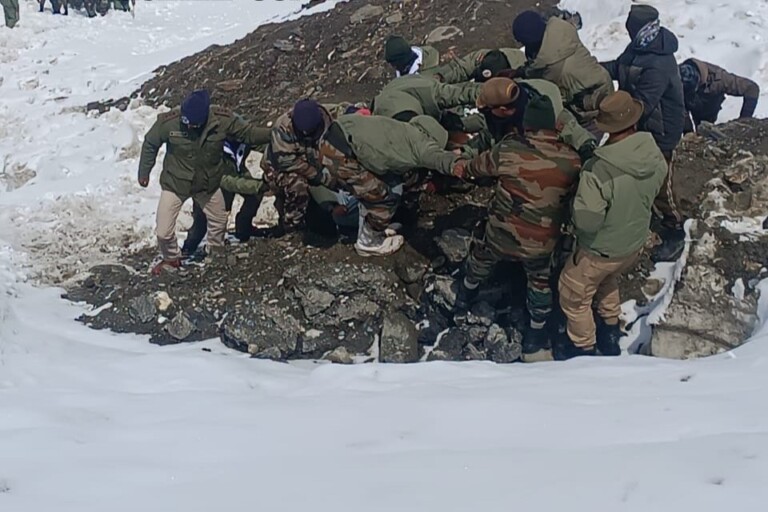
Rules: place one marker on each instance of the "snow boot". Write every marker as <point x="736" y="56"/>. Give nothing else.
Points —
<point x="165" y="265"/>
<point x="536" y="345"/>
<point x="373" y="243"/>
<point x="671" y="247"/>
<point x="608" y="337"/>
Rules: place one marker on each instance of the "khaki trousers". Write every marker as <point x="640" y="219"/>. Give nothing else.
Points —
<point x="587" y="277"/>
<point x="168" y="212"/>
<point x="666" y="202"/>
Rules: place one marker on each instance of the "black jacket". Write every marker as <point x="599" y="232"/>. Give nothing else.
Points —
<point x="651" y="75"/>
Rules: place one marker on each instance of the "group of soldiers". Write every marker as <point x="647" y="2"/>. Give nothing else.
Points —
<point x="542" y="112"/>
<point x="92" y="7"/>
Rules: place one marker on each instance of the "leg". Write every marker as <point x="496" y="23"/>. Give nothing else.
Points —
<point x="480" y="263"/>
<point x="577" y="288"/>
<point x="11" y="11"/>
<point x="214" y="209"/>
<point x="607" y="296"/>
<point x="244" y="218"/>
<point x="665" y="202"/>
<point x="167" y="212"/>
<point x="539" y="294"/>
<point x="197" y="232"/>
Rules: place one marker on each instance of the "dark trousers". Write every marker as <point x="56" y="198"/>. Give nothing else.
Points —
<point x="243" y="221"/>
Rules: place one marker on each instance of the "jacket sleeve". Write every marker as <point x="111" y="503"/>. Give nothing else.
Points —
<point x="649" y="89"/>
<point x="612" y="67"/>
<point x="243" y="131"/>
<point x="486" y="164"/>
<point x="477" y="144"/>
<point x="734" y="85"/>
<point x="243" y="185"/>
<point x="571" y="132"/>
<point x="450" y="95"/>
<point x="590" y="204"/>
<point x="457" y="70"/>
<point x="153" y="141"/>
<point x="431" y="156"/>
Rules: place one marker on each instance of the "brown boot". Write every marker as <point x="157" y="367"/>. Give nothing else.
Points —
<point x="165" y="265"/>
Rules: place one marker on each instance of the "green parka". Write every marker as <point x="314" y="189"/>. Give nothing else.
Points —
<point x="423" y="95"/>
<point x="386" y="146"/>
<point x="466" y="68"/>
<point x="564" y="60"/>
<point x="612" y="207"/>
<point x="195" y="165"/>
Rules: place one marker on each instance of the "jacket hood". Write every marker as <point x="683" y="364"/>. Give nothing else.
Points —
<point x="664" y="44"/>
<point x="637" y="155"/>
<point x="431" y="128"/>
<point x="560" y="42"/>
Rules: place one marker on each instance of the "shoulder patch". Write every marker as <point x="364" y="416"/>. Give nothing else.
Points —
<point x="171" y="114"/>
<point x="221" y="111"/>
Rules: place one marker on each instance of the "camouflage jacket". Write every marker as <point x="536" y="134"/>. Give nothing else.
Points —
<point x="536" y="178"/>
<point x="466" y="68"/>
<point x="195" y="165"/>
<point x="289" y="162"/>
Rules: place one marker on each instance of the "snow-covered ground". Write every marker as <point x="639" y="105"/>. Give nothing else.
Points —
<point x="92" y="421"/>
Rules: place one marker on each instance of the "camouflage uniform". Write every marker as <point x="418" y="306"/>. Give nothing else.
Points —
<point x="290" y="163"/>
<point x="527" y="212"/>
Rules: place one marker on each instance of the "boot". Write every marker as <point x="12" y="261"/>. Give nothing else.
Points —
<point x="569" y="351"/>
<point x="165" y="265"/>
<point x="374" y="243"/>
<point x="536" y="345"/>
<point x="671" y="247"/>
<point x="608" y="337"/>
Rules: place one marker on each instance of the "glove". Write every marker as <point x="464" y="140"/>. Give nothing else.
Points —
<point x="144" y="181"/>
<point x="343" y="197"/>
<point x="587" y="150"/>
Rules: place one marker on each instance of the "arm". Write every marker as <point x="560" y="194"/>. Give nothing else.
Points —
<point x="612" y="67"/>
<point x="243" y="185"/>
<point x="431" y="156"/>
<point x="589" y="205"/>
<point x="735" y="85"/>
<point x="153" y="140"/>
<point x="287" y="156"/>
<point x="243" y="131"/>
<point x="649" y="89"/>
<point x="477" y="144"/>
<point x="458" y="70"/>
<point x="486" y="164"/>
<point x="449" y="96"/>
<point x="571" y="132"/>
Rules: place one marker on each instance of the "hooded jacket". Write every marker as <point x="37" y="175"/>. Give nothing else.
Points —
<point x="617" y="187"/>
<point x="466" y="68"/>
<point x="385" y="146"/>
<point x="195" y="165"/>
<point x="422" y="95"/>
<point x="564" y="60"/>
<point x="651" y="75"/>
<point x="715" y="83"/>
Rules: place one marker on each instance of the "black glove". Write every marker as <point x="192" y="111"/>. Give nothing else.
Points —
<point x="587" y="150"/>
<point x="748" y="108"/>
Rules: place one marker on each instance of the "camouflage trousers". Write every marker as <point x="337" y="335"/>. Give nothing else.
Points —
<point x="499" y="244"/>
<point x="666" y="203"/>
<point x="291" y="192"/>
<point x="379" y="195"/>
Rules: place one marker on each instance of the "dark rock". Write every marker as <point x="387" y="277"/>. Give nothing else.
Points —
<point x="399" y="340"/>
<point x="453" y="342"/>
<point x="410" y="270"/>
<point x="394" y="19"/>
<point x="272" y="353"/>
<point x="506" y="353"/>
<point x="314" y="301"/>
<point x="259" y="329"/>
<point x="339" y="355"/>
<point x="476" y="333"/>
<point x="481" y="314"/>
<point x="454" y="244"/>
<point x="432" y="325"/>
<point x="283" y="45"/>
<point x="357" y="308"/>
<point x="438" y="355"/>
<point x="495" y="337"/>
<point x="472" y="353"/>
<point x="443" y="33"/>
<point x="443" y="292"/>
<point x="142" y="308"/>
<point x="181" y="327"/>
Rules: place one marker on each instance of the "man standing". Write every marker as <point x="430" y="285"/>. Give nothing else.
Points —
<point x="372" y="157"/>
<point x="11" y="11"/>
<point x="407" y="59"/>
<point x="536" y="173"/>
<point x="193" y="166"/>
<point x="611" y="212"/>
<point x="648" y="71"/>
<point x="705" y="87"/>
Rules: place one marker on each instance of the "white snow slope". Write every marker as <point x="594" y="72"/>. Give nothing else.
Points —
<point x="91" y="421"/>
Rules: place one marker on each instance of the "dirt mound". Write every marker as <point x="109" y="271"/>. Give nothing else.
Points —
<point x="332" y="56"/>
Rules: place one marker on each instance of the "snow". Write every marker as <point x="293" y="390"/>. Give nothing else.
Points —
<point x="94" y="421"/>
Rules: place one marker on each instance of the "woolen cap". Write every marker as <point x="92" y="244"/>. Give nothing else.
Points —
<point x="618" y="112"/>
<point x="497" y="92"/>
<point x="396" y="49"/>
<point x="306" y="116"/>
<point x="540" y="114"/>
<point x="639" y="16"/>
<point x="195" y="107"/>
<point x="529" y="27"/>
<point x="492" y="64"/>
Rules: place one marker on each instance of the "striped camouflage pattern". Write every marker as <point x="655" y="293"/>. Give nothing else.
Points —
<point x="289" y="163"/>
<point x="536" y="178"/>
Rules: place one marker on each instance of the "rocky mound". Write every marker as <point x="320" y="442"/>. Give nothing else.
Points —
<point x="332" y="56"/>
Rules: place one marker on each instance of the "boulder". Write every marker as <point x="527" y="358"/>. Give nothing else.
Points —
<point x="180" y="327"/>
<point x="366" y="12"/>
<point x="399" y="340"/>
<point x="142" y="308"/>
<point x="454" y="244"/>
<point x="261" y="328"/>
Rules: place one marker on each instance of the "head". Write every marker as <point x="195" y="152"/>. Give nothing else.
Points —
<point x="398" y="53"/>
<point x="307" y="120"/>
<point x="690" y="75"/>
<point x="539" y="114"/>
<point x="194" y="110"/>
<point x="528" y="28"/>
<point x="640" y="17"/>
<point x="618" y="115"/>
<point x="503" y="103"/>
<point x="492" y="64"/>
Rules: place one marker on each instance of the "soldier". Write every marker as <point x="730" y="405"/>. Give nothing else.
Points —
<point x="536" y="174"/>
<point x="371" y="157"/>
<point x="480" y="65"/>
<point x="611" y="213"/>
<point x="292" y="158"/>
<point x="11" y="12"/>
<point x="407" y="59"/>
<point x="556" y="53"/>
<point x="193" y="166"/>
<point x="408" y="96"/>
<point x="648" y="71"/>
<point x="705" y="87"/>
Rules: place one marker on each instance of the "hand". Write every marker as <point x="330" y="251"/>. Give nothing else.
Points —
<point x="459" y="169"/>
<point x="143" y="182"/>
<point x="456" y="152"/>
<point x="587" y="150"/>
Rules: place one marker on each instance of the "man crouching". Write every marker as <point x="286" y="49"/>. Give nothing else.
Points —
<point x="193" y="166"/>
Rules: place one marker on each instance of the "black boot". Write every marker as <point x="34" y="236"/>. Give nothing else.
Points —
<point x="465" y="296"/>
<point x="568" y="351"/>
<point x="536" y="345"/>
<point x="672" y="245"/>
<point x="608" y="337"/>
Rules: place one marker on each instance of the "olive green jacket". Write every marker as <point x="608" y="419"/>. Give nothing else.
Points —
<point x="466" y="68"/>
<point x="423" y="95"/>
<point x="195" y="165"/>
